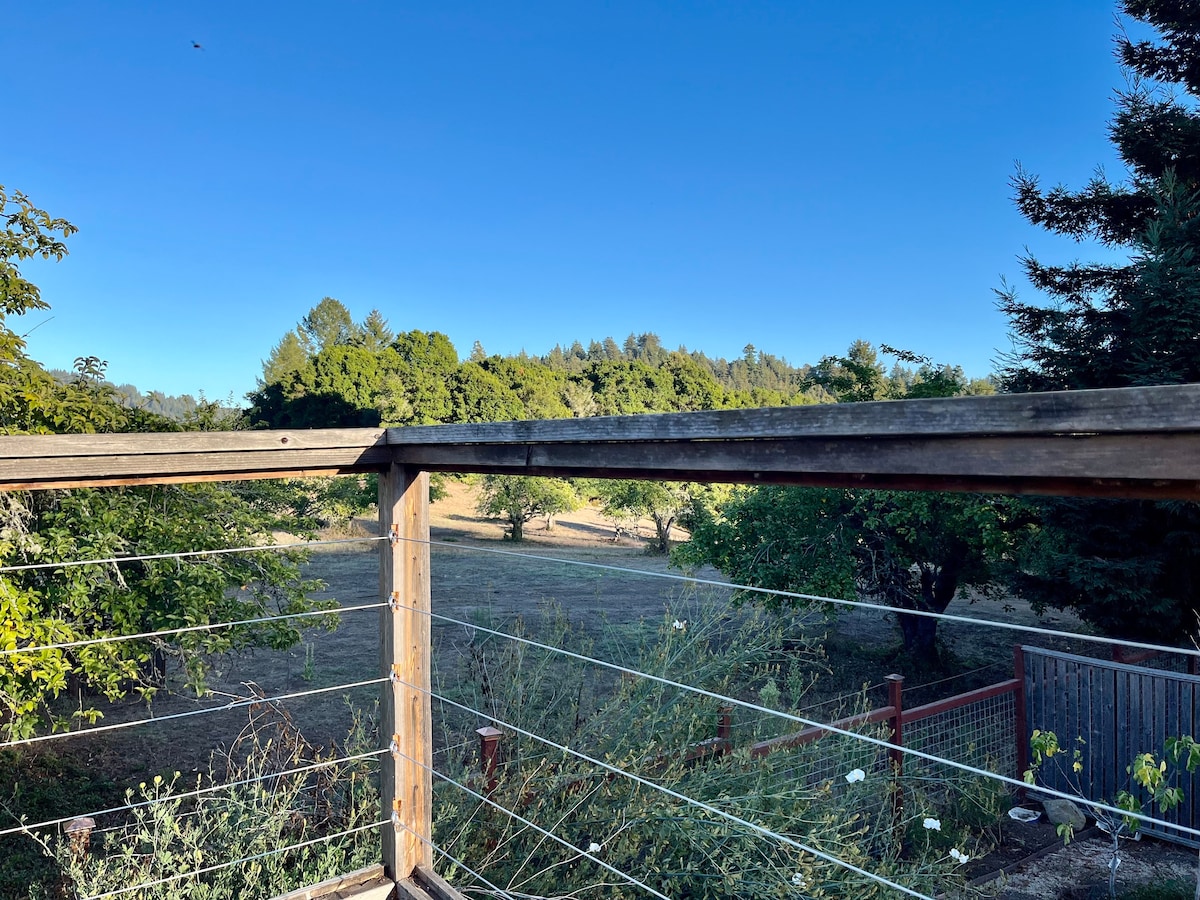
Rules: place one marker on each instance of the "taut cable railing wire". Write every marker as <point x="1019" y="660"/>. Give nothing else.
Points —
<point x="832" y="601"/>
<point x="205" y="870"/>
<point x="699" y="804"/>
<point x="198" y="792"/>
<point x="170" y="632"/>
<point x="187" y="554"/>
<point x="244" y="702"/>
<point x="826" y="727"/>
<point x="625" y="876"/>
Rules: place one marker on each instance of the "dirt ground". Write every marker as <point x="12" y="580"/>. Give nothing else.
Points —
<point x="477" y="580"/>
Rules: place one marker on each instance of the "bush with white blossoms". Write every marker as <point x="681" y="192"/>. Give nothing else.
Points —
<point x="818" y="795"/>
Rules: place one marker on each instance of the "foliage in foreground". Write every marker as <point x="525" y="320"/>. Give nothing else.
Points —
<point x="174" y="836"/>
<point x="1128" y="567"/>
<point x="645" y="728"/>
<point x="43" y="604"/>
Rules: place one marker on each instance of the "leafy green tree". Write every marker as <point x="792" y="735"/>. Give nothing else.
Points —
<point x="858" y="376"/>
<point x="662" y="501"/>
<point x="912" y="551"/>
<point x="40" y="606"/>
<point x="374" y="334"/>
<point x="476" y="395"/>
<point x="627" y="388"/>
<point x="28" y="232"/>
<point x="541" y="390"/>
<point x="326" y="325"/>
<point x="518" y="498"/>
<point x="1128" y="567"/>
<point x="287" y="359"/>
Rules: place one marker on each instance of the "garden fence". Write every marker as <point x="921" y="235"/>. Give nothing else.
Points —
<point x="1111" y="712"/>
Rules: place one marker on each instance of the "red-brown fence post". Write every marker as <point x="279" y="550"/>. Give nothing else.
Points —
<point x="1019" y="711"/>
<point x="895" y="754"/>
<point x="489" y="753"/>
<point x="724" y="730"/>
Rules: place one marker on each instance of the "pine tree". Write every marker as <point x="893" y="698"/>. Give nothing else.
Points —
<point x="1128" y="567"/>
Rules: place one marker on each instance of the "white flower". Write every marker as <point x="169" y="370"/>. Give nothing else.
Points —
<point x="679" y="624"/>
<point x="798" y="880"/>
<point x="932" y="824"/>
<point x="855" y="775"/>
<point x="960" y="858"/>
<point x="593" y="847"/>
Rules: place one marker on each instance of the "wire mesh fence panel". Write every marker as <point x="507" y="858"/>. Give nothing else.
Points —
<point x="980" y="734"/>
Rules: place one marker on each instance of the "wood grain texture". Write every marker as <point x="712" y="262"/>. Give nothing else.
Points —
<point x="405" y="649"/>
<point x="1166" y="408"/>
<point x="1129" y="442"/>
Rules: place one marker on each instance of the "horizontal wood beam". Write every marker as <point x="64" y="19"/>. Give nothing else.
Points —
<point x="1127" y="442"/>
<point x="1120" y="465"/>
<point x="1113" y="410"/>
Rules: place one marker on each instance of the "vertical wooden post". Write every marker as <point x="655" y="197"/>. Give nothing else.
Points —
<point x="404" y="649"/>
<point x="896" y="702"/>
<point x="489" y="753"/>
<point x="895" y="755"/>
<point x="724" y="730"/>
<point x="1019" y="734"/>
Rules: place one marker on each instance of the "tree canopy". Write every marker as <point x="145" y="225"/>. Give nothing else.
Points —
<point x="909" y="550"/>
<point x="53" y="605"/>
<point x="1126" y="566"/>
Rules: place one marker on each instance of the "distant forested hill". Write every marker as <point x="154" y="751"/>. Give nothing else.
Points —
<point x="172" y="407"/>
<point x="331" y="371"/>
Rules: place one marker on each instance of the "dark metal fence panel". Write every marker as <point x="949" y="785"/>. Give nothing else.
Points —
<point x="1111" y="712"/>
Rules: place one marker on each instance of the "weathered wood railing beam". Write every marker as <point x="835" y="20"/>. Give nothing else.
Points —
<point x="93" y="460"/>
<point x="1094" y="465"/>
<point x="1128" y="442"/>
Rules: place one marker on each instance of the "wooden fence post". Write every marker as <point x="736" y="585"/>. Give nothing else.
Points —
<point x="404" y="633"/>
<point x="489" y="753"/>
<point x="895" y="755"/>
<point x="724" y="730"/>
<point x="1019" y="711"/>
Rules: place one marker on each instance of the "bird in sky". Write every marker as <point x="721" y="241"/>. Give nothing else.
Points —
<point x="196" y="46"/>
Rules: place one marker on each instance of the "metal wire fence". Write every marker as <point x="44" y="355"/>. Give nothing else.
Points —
<point x="974" y="740"/>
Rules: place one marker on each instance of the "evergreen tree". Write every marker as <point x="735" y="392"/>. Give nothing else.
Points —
<point x="1131" y="567"/>
<point x="327" y="324"/>
<point x="287" y="358"/>
<point x="374" y="334"/>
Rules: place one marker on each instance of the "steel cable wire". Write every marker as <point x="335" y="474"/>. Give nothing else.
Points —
<point x="518" y="817"/>
<point x="699" y="804"/>
<point x="187" y="554"/>
<point x="238" y="704"/>
<point x="187" y="795"/>
<point x="835" y="601"/>
<point x="811" y="723"/>
<point x="117" y="638"/>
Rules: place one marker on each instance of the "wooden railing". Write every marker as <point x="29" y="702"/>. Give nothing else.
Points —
<point x="1133" y="442"/>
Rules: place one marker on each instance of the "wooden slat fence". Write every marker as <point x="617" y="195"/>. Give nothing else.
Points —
<point x="1119" y="711"/>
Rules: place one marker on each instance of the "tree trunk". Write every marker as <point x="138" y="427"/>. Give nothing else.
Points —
<point x="938" y="584"/>
<point x="662" y="530"/>
<point x="920" y="637"/>
<point x="518" y="529"/>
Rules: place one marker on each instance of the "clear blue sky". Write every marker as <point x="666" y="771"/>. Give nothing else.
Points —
<point x="786" y="174"/>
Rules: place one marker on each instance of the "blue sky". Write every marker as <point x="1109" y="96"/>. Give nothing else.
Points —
<point x="789" y="174"/>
